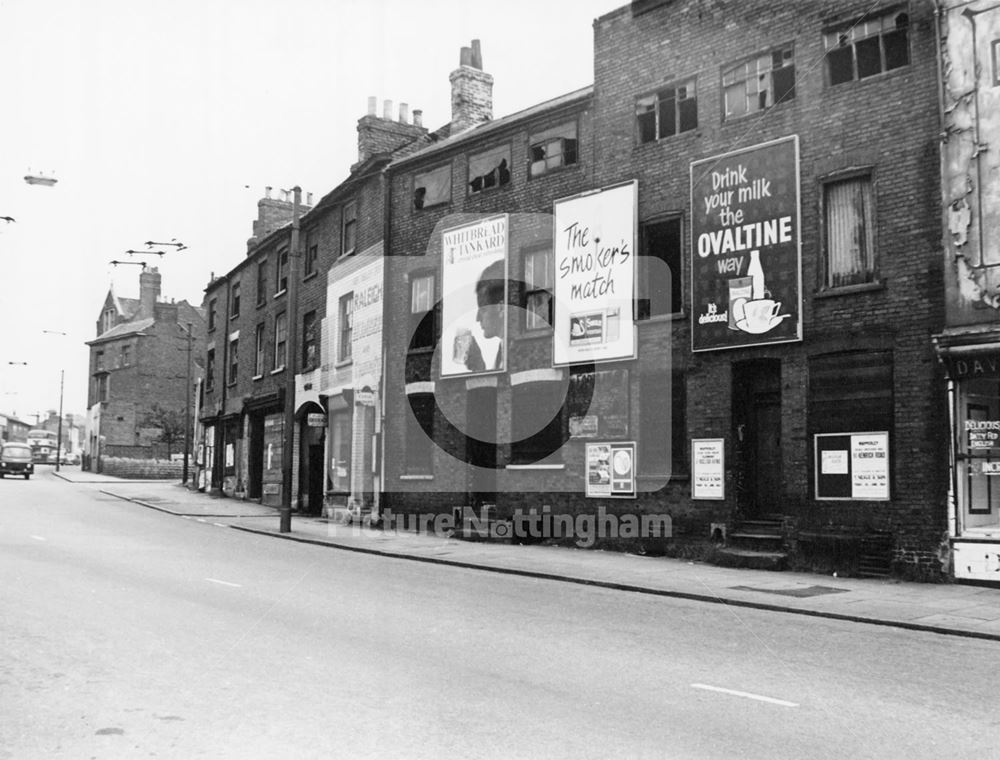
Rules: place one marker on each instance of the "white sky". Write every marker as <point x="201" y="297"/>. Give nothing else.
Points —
<point x="155" y="116"/>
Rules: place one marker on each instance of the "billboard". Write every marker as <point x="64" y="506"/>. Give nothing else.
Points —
<point x="746" y="270"/>
<point x="594" y="254"/>
<point x="474" y="287"/>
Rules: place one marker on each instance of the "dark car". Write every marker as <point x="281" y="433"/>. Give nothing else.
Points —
<point x="15" y="459"/>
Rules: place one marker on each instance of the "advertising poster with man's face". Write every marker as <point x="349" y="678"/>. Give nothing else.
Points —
<point x="745" y="247"/>
<point x="474" y="287"/>
<point x="594" y="254"/>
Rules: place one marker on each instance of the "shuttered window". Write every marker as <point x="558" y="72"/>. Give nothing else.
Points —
<point x="850" y="232"/>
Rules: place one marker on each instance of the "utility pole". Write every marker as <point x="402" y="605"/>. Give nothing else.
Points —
<point x="62" y="374"/>
<point x="291" y="351"/>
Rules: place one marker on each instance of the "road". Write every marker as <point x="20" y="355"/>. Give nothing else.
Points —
<point x="130" y="633"/>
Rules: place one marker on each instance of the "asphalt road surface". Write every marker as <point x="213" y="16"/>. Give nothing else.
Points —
<point x="129" y="633"/>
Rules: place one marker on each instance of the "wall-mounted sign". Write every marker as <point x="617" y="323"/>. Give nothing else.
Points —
<point x="365" y="397"/>
<point x="708" y="468"/>
<point x="316" y="419"/>
<point x="474" y="287"/>
<point x="852" y="466"/>
<point x="611" y="470"/>
<point x="746" y="277"/>
<point x="594" y="256"/>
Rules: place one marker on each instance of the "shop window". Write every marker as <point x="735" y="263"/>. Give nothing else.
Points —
<point x="849" y="240"/>
<point x="210" y="369"/>
<point x="552" y="149"/>
<point x="979" y="454"/>
<point x="533" y="402"/>
<point x="423" y="311"/>
<point x="659" y="285"/>
<point x="258" y="363"/>
<point x="758" y="83"/>
<point x="538" y="289"/>
<point x="667" y="112"/>
<point x="349" y="228"/>
<point x="419" y="450"/>
<point x="345" y="314"/>
<point x="234" y="301"/>
<point x="281" y="274"/>
<point x="867" y="47"/>
<point x="234" y="360"/>
<point x="211" y="314"/>
<point x="310" y="345"/>
<point x="489" y="170"/>
<point x="280" y="340"/>
<point x="432" y="188"/>
<point x="262" y="282"/>
<point x="663" y="431"/>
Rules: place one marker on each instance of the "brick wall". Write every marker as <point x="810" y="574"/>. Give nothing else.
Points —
<point x="144" y="469"/>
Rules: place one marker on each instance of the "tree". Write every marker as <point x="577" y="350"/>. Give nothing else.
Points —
<point x="171" y="424"/>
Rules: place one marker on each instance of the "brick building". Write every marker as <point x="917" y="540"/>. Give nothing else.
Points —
<point x="137" y="394"/>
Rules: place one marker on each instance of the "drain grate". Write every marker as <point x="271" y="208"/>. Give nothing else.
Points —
<point x="802" y="592"/>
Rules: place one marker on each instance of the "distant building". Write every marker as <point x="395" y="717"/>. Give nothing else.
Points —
<point x="13" y="429"/>
<point x="137" y="395"/>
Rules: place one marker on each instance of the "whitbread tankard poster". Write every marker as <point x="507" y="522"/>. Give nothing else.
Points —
<point x="746" y="277"/>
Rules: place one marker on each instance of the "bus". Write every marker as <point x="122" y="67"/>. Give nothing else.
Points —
<point x="43" y="446"/>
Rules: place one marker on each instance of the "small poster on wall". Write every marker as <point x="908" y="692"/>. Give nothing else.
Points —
<point x="611" y="470"/>
<point x="852" y="466"/>
<point x="708" y="468"/>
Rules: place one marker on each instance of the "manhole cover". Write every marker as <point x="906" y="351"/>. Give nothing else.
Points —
<point x="803" y="592"/>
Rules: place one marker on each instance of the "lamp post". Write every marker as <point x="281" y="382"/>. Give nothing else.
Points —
<point x="187" y="405"/>
<point x="62" y="378"/>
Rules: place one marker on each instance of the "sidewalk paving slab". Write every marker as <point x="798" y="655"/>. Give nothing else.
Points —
<point x="954" y="609"/>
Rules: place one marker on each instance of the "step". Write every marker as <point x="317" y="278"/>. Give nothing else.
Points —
<point x="750" y="558"/>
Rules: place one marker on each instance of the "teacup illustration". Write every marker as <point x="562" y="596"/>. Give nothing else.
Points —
<point x="760" y="315"/>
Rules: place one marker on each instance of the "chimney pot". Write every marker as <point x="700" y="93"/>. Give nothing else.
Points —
<point x="477" y="55"/>
<point x="372" y="105"/>
<point x="465" y="57"/>
<point x="404" y="113"/>
<point x="309" y="199"/>
<point x="387" y="110"/>
<point x="418" y="117"/>
<point x="267" y="191"/>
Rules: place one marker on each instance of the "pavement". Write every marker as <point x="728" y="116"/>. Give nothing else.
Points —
<point x="946" y="608"/>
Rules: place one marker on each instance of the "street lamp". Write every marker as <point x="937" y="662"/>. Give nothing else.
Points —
<point x="62" y="377"/>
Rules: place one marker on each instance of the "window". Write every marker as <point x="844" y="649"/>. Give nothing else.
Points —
<point x="538" y="289"/>
<point x="281" y="274"/>
<point x="349" y="229"/>
<point x="490" y="169"/>
<point x="346" y="315"/>
<point x="280" y="338"/>
<point x="659" y="283"/>
<point x="995" y="56"/>
<point x="867" y="48"/>
<point x="312" y="254"/>
<point x="258" y="363"/>
<point x="662" y="424"/>
<point x="432" y="187"/>
<point x="419" y="453"/>
<point x="102" y="388"/>
<point x="234" y="359"/>
<point x="310" y="355"/>
<point x="126" y="355"/>
<point x="849" y="239"/>
<point x="234" y="301"/>
<point x="211" y="314"/>
<point x="759" y="83"/>
<point x="107" y="320"/>
<point x="533" y="402"/>
<point x="668" y="112"/>
<point x="262" y="282"/>
<point x="552" y="149"/>
<point x="341" y="428"/>
<point x="99" y="361"/>
<point x="422" y="311"/>
<point x="210" y="369"/>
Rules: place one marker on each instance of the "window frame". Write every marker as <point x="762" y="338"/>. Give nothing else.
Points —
<point x="349" y="228"/>
<point x="310" y="257"/>
<point x="309" y="339"/>
<point x="839" y="31"/>
<point x="234" y="300"/>
<point x="281" y="273"/>
<point x="416" y="325"/>
<point x="446" y="169"/>
<point x="233" y="370"/>
<point x="825" y="268"/>
<point x="417" y="433"/>
<point x="531" y="287"/>
<point x="656" y="111"/>
<point x="499" y="182"/>
<point x="210" y="369"/>
<point x="345" y="328"/>
<point x="280" y="341"/>
<point x="212" y="303"/>
<point x="746" y="62"/>
<point x="260" y="354"/>
<point x="262" y="282"/>
<point x="644" y="304"/>
<point x="524" y="451"/>
<point x="538" y="138"/>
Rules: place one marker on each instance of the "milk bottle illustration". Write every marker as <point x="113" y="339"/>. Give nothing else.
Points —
<point x="756" y="273"/>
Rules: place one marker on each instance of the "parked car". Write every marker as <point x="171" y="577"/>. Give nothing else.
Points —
<point x="15" y="459"/>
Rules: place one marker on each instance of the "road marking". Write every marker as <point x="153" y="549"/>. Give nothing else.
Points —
<point x="224" y="583"/>
<point x="745" y="694"/>
<point x="220" y="525"/>
<point x="39" y="538"/>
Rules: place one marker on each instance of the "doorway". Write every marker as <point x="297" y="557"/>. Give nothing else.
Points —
<point x="480" y="445"/>
<point x="757" y="436"/>
<point x="255" y="458"/>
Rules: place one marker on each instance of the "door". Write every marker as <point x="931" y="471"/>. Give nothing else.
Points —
<point x="255" y="459"/>
<point x="480" y="446"/>
<point x="340" y="452"/>
<point x="315" y="482"/>
<point x="757" y="437"/>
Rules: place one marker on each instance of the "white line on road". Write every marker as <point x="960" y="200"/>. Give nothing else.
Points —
<point x="746" y="694"/>
<point x="39" y="538"/>
<point x="224" y="583"/>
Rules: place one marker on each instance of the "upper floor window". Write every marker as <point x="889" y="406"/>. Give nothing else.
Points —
<point x="349" y="228"/>
<point x="280" y="340"/>
<point x="262" y="282"/>
<point x="422" y="321"/>
<point x="211" y="314"/>
<point x="660" y="269"/>
<point x="310" y="345"/>
<point x="849" y="240"/>
<point x="489" y="169"/>
<point x="234" y="360"/>
<point x="346" y="316"/>
<point x="309" y="263"/>
<point x="210" y="369"/>
<point x="258" y="363"/>
<point x="552" y="148"/>
<point x="99" y="361"/>
<point x="759" y="82"/>
<point x="432" y="187"/>
<point x="867" y="47"/>
<point x="102" y="388"/>
<point x="234" y="301"/>
<point x="538" y="289"/>
<point x="281" y="275"/>
<point x="670" y="111"/>
<point x="126" y="355"/>
<point x="107" y="320"/>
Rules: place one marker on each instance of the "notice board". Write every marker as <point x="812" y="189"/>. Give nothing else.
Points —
<point x="852" y="466"/>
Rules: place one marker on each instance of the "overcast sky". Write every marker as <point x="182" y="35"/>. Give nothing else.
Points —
<point x="166" y="120"/>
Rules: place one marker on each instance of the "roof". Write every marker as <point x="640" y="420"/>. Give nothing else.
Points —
<point x="120" y="331"/>
<point x="496" y="125"/>
<point x="126" y="306"/>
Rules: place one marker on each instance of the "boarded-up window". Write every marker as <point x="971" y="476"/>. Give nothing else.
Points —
<point x="490" y="169"/>
<point x="850" y="232"/>
<point x="532" y="439"/>
<point x="418" y="455"/>
<point x="432" y="187"/>
<point x="850" y="391"/>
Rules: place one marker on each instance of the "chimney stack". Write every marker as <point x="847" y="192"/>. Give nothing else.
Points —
<point x="382" y="134"/>
<point x="149" y="292"/>
<point x="471" y="91"/>
<point x="418" y="117"/>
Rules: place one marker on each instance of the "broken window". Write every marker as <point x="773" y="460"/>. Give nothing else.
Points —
<point x="759" y="82"/>
<point x="490" y="169"/>
<point x="432" y="187"/>
<point x="538" y="289"/>
<point x="552" y="149"/>
<point x="668" y="112"/>
<point x="660" y="283"/>
<point x="848" y="206"/>
<point x="867" y="47"/>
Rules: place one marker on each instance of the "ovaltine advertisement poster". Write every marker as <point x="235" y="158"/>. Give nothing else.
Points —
<point x="594" y="255"/>
<point x="746" y="275"/>
<point x="474" y="297"/>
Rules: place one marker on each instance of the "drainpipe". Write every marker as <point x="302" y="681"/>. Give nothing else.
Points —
<point x="291" y="351"/>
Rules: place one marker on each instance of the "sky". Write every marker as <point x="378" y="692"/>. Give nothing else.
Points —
<point x="166" y="121"/>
